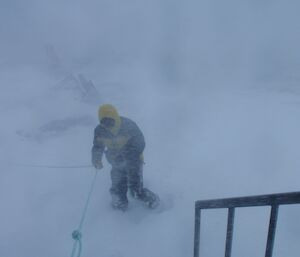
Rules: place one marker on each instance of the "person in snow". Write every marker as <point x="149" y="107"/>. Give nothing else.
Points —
<point x="123" y="144"/>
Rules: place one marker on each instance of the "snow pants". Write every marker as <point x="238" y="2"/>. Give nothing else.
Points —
<point x="129" y="175"/>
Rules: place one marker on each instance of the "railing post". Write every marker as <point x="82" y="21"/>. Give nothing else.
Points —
<point x="272" y="230"/>
<point x="230" y="223"/>
<point x="273" y="200"/>
<point x="197" y="231"/>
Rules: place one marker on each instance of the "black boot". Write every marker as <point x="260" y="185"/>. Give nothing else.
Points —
<point x="150" y="199"/>
<point x="119" y="203"/>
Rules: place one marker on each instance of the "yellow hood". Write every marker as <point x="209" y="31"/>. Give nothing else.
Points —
<point x="109" y="111"/>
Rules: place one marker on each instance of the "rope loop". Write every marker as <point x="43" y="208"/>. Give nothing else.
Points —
<point x="76" y="235"/>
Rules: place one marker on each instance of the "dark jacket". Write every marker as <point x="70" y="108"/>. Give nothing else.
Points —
<point x="127" y="144"/>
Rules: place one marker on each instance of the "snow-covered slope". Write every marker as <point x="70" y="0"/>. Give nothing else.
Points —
<point x="214" y="86"/>
<point x="218" y="144"/>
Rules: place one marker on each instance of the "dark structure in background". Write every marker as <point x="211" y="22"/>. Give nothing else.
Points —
<point x="81" y="88"/>
<point x="274" y="200"/>
<point x="74" y="87"/>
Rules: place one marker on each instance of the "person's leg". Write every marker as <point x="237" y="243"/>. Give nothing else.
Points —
<point x="135" y="183"/>
<point x="119" y="187"/>
<point x="135" y="176"/>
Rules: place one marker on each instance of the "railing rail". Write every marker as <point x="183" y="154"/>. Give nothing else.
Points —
<point x="273" y="200"/>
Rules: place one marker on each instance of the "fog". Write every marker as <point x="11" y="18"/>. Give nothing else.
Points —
<point x="213" y="85"/>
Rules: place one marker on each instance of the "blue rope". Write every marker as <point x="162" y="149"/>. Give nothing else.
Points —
<point x="77" y="235"/>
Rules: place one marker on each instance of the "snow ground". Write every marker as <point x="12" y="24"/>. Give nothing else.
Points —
<point x="211" y="145"/>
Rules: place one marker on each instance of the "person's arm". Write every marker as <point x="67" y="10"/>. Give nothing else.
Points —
<point x="136" y="143"/>
<point x="97" y="150"/>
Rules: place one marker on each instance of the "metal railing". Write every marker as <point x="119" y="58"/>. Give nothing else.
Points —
<point x="273" y="200"/>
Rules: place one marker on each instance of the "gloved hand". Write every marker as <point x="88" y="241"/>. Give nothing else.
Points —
<point x="97" y="162"/>
<point x="98" y="165"/>
<point x="97" y="158"/>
